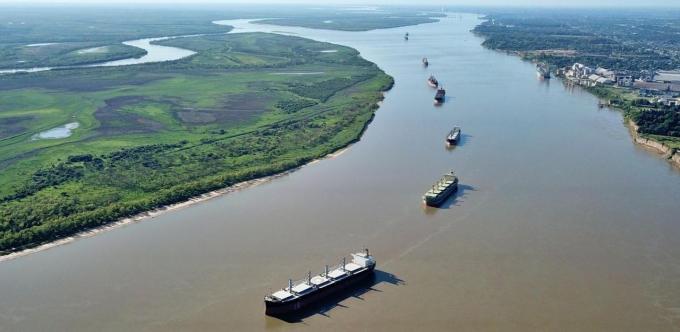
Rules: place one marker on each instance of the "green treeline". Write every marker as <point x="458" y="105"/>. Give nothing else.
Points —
<point x="610" y="39"/>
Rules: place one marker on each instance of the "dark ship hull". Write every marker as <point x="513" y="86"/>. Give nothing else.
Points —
<point x="453" y="136"/>
<point x="440" y="97"/>
<point x="316" y="297"/>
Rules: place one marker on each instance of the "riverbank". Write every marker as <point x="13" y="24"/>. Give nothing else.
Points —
<point x="669" y="153"/>
<point x="149" y="215"/>
<point x="156" y="212"/>
<point x="189" y="127"/>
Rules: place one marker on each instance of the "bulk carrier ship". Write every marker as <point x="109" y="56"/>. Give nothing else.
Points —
<point x="441" y="190"/>
<point x="453" y="136"/>
<point x="440" y="96"/>
<point x="303" y="294"/>
<point x="543" y="71"/>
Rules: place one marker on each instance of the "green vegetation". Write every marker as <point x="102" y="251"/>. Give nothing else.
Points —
<point x="622" y="40"/>
<point x="654" y="121"/>
<point x="355" y="22"/>
<point x="245" y="106"/>
<point x="64" y="54"/>
<point x="58" y="37"/>
<point x="67" y="34"/>
<point x="664" y="122"/>
<point x="638" y="43"/>
<point x="63" y="23"/>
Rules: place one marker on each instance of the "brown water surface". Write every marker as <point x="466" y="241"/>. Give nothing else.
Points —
<point x="561" y="223"/>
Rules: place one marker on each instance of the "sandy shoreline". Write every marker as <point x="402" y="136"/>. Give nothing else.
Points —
<point x="148" y="215"/>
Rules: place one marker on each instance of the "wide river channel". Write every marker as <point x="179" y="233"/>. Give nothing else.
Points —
<point x="561" y="223"/>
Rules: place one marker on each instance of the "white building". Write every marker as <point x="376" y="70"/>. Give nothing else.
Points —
<point x="581" y="71"/>
<point x="667" y="76"/>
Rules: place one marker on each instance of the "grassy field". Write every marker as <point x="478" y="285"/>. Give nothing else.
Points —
<point x="38" y="36"/>
<point x="356" y="22"/>
<point x="63" y="54"/>
<point x="245" y="106"/>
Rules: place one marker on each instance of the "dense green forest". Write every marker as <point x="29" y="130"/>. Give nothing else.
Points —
<point x="664" y="121"/>
<point x="245" y="106"/>
<point x="622" y="40"/>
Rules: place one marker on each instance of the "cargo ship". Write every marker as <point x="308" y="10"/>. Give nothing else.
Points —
<point x="304" y="294"/>
<point x="453" y="136"/>
<point x="432" y="81"/>
<point x="440" y="95"/>
<point x="543" y="71"/>
<point x="426" y="62"/>
<point x="441" y="190"/>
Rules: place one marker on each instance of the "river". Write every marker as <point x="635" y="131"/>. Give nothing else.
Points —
<point x="154" y="53"/>
<point x="561" y="222"/>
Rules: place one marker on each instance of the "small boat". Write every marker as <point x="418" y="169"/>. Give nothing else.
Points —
<point x="432" y="81"/>
<point x="439" y="97"/>
<point x="441" y="190"/>
<point x="453" y="136"/>
<point x="426" y="62"/>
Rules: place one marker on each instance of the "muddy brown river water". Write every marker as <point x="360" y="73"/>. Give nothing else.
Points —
<point x="561" y="222"/>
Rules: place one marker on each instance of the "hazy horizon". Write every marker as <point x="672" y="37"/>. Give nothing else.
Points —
<point x="466" y="3"/>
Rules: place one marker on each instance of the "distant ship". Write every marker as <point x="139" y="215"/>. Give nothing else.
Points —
<point x="303" y="294"/>
<point x="453" y="136"/>
<point x="432" y="81"/>
<point x="542" y="71"/>
<point x="441" y="190"/>
<point x="440" y="95"/>
<point x="426" y="62"/>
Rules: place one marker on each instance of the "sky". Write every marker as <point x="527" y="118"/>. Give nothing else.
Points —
<point x="522" y="3"/>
